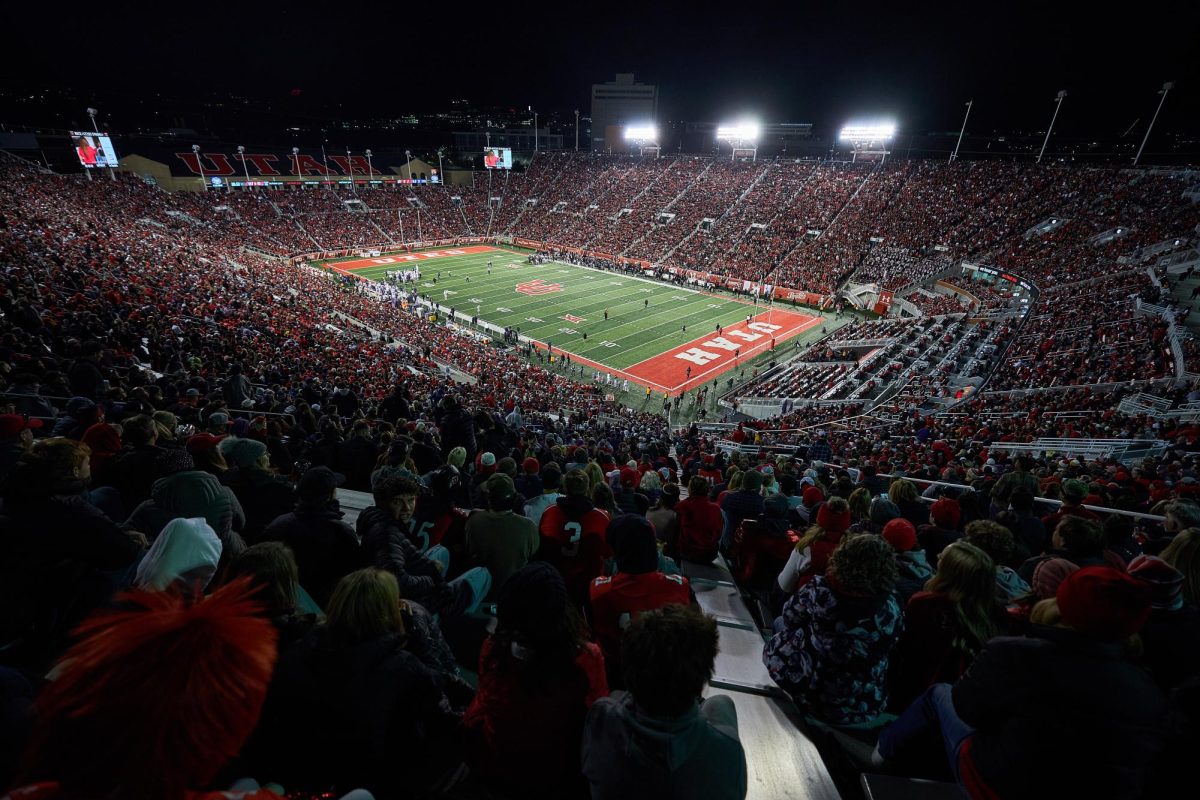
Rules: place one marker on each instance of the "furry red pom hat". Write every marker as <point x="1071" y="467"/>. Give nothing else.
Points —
<point x="182" y="682"/>
<point x="832" y="521"/>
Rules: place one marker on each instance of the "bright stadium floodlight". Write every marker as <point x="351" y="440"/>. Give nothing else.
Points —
<point x="641" y="133"/>
<point x="743" y="131"/>
<point x="880" y="132"/>
<point x="742" y="137"/>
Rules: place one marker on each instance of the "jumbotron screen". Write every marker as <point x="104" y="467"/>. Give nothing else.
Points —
<point x="94" y="149"/>
<point x="497" y="158"/>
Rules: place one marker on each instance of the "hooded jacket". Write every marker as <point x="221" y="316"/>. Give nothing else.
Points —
<point x="190" y="494"/>
<point x="628" y="753"/>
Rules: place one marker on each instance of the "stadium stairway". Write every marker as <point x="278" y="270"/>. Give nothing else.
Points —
<point x="782" y="761"/>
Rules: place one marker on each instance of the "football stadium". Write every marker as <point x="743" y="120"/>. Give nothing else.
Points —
<point x="779" y="425"/>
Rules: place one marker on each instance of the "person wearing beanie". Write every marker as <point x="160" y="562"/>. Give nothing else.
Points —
<point x="636" y="586"/>
<point x="810" y="497"/>
<point x="1066" y="689"/>
<point x="831" y="644"/>
<point x="324" y="546"/>
<point x="882" y="511"/>
<point x="457" y="457"/>
<point x="1043" y="585"/>
<point x="263" y="495"/>
<point x="574" y="537"/>
<point x="944" y="516"/>
<point x="699" y="523"/>
<point x="946" y="624"/>
<point x="538" y="676"/>
<point x="529" y="481"/>
<point x="498" y="539"/>
<point x="913" y="569"/>
<point x="629" y="498"/>
<point x="551" y="481"/>
<point x="744" y="503"/>
<point x="485" y="467"/>
<point x="810" y="557"/>
<point x="710" y="470"/>
<point x="662" y="739"/>
<point x="159" y="672"/>
<point x="1171" y="636"/>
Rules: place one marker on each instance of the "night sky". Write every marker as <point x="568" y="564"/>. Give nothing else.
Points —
<point x="788" y="63"/>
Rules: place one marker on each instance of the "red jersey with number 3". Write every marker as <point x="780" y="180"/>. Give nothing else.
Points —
<point x="577" y="546"/>
<point x="618" y="599"/>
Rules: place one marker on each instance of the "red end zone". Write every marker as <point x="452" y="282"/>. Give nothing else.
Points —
<point x="711" y="355"/>
<point x="402" y="259"/>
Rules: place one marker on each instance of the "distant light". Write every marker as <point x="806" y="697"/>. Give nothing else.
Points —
<point x="744" y="131"/>
<point x="646" y="133"/>
<point x="868" y="133"/>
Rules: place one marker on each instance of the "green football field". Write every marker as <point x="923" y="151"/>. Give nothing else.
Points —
<point x="655" y="335"/>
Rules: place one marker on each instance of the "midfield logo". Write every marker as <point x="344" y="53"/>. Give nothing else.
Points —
<point x="538" y="286"/>
<point x="572" y="318"/>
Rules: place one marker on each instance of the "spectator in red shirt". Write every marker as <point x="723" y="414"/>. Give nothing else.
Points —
<point x="538" y="676"/>
<point x="574" y="537"/>
<point x="637" y="586"/>
<point x="1073" y="492"/>
<point x="700" y="523"/>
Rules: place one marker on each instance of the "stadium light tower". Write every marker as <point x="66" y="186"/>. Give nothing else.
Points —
<point x="296" y="157"/>
<point x="370" y="169"/>
<point x="577" y="130"/>
<point x="954" y="155"/>
<point x="1168" y="86"/>
<point x="350" y="166"/>
<point x="742" y="136"/>
<point x="868" y="139"/>
<point x="535" y="135"/>
<point x="1057" y="107"/>
<point x="200" y="164"/>
<point x="644" y="137"/>
<point x="245" y="166"/>
<point x="408" y="155"/>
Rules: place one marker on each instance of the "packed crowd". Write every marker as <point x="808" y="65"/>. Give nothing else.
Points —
<point x="180" y="412"/>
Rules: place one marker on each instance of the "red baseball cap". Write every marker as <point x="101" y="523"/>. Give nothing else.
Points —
<point x="13" y="424"/>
